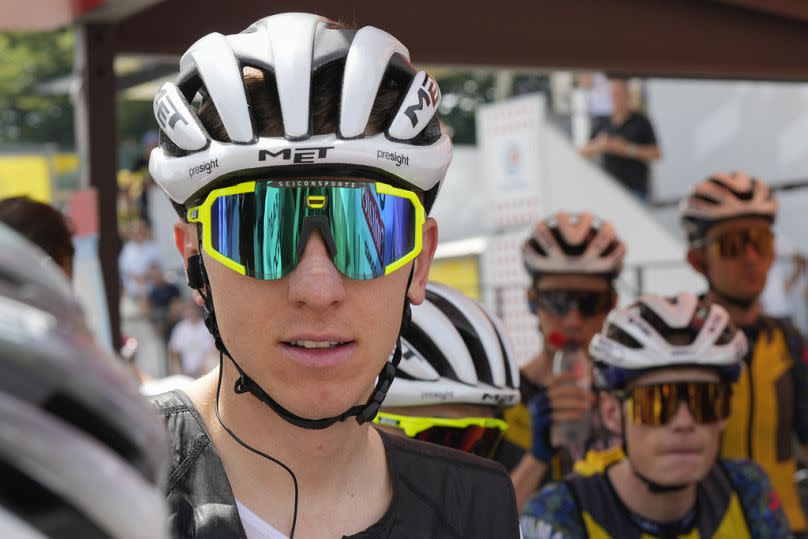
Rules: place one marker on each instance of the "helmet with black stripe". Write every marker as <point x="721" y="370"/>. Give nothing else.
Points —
<point x="723" y="197"/>
<point x="454" y="351"/>
<point x="81" y="453"/>
<point x="573" y="243"/>
<point x="658" y="332"/>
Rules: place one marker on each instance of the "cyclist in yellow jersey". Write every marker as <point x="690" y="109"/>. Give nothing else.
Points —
<point x="572" y="260"/>
<point x="728" y="219"/>
<point x="666" y="366"/>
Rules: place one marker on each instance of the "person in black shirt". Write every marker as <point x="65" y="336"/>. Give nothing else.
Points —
<point x="303" y="180"/>
<point x="163" y="302"/>
<point x="626" y="142"/>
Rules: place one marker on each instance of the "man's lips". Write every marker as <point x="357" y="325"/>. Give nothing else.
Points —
<point x="683" y="451"/>
<point x="318" y="350"/>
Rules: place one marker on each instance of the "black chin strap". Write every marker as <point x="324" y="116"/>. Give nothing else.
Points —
<point x="743" y="303"/>
<point x="198" y="279"/>
<point x="653" y="486"/>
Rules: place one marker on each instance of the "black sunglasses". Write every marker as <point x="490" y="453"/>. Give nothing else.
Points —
<point x="561" y="302"/>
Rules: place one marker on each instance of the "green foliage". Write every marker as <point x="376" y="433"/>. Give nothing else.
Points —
<point x="26" y="60"/>
<point x="462" y="92"/>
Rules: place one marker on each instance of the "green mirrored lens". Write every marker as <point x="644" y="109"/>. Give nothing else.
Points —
<point x="261" y="230"/>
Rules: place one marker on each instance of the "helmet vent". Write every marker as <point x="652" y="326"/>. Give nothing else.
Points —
<point x="536" y="246"/>
<point x="37" y="505"/>
<point x="683" y="336"/>
<point x="619" y="336"/>
<point x="427" y="348"/>
<point x="466" y="330"/>
<point x="84" y="419"/>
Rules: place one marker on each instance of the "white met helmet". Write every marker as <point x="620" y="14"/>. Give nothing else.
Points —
<point x="722" y="197"/>
<point x="454" y="351"/>
<point x="290" y="50"/>
<point x="573" y="243"/>
<point x="658" y="332"/>
<point x="81" y="453"/>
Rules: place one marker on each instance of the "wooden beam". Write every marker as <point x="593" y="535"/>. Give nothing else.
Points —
<point x="647" y="37"/>
<point x="95" y="110"/>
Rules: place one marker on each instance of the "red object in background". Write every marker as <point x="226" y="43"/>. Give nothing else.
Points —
<point x="80" y="7"/>
<point x="557" y="339"/>
<point x="82" y="208"/>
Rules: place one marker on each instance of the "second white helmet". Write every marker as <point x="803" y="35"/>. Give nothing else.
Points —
<point x="454" y="351"/>
<point x="658" y="332"/>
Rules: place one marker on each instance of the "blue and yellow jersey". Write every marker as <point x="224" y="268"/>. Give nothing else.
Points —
<point x="734" y="501"/>
<point x="769" y="405"/>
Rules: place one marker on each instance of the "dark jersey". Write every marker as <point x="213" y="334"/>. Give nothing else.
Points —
<point x="437" y="492"/>
<point x="636" y="129"/>
<point x="735" y="501"/>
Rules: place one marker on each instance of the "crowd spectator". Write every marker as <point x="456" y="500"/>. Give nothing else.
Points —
<point x="191" y="346"/>
<point x="163" y="303"/>
<point x="139" y="253"/>
<point x="625" y="141"/>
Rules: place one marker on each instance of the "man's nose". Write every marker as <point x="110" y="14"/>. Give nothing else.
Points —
<point x="316" y="282"/>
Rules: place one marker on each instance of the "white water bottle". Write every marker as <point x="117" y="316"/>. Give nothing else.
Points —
<point x="570" y="357"/>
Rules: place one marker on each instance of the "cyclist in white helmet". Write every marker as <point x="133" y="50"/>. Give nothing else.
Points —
<point x="572" y="259"/>
<point x="456" y="375"/>
<point x="666" y="367"/>
<point x="81" y="453"/>
<point x="303" y="179"/>
<point x="728" y="219"/>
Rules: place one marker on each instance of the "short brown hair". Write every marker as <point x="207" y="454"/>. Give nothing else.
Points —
<point x="326" y="87"/>
<point x="41" y="224"/>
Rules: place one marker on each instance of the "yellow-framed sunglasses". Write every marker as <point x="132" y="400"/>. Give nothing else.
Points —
<point x="260" y="228"/>
<point x="478" y="435"/>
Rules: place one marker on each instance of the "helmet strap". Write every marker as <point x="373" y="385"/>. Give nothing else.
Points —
<point x="732" y="300"/>
<point x="198" y="279"/>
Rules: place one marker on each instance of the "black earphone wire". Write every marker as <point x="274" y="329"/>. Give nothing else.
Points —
<point x="250" y="448"/>
<point x="208" y="299"/>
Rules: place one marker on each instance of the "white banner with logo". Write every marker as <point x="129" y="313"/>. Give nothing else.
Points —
<point x="507" y="283"/>
<point x="509" y="139"/>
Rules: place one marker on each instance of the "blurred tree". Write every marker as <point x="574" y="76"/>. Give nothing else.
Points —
<point x="29" y="116"/>
<point x="26" y="60"/>
<point x="463" y="91"/>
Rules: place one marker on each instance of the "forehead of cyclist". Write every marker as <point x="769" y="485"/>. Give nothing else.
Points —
<point x="738" y="225"/>
<point x="573" y="282"/>
<point x="674" y="375"/>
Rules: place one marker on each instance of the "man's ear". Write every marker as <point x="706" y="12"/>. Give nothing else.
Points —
<point x="695" y="257"/>
<point x="420" y="275"/>
<point x="610" y="412"/>
<point x="185" y="239"/>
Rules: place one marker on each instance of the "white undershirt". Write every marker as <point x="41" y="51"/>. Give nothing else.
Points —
<point x="255" y="527"/>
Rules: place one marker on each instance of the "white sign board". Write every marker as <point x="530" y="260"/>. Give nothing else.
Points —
<point x="509" y="139"/>
<point x="507" y="283"/>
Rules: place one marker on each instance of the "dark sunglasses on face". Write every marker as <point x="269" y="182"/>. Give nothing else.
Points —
<point x="656" y="404"/>
<point x="733" y="243"/>
<point x="561" y="302"/>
